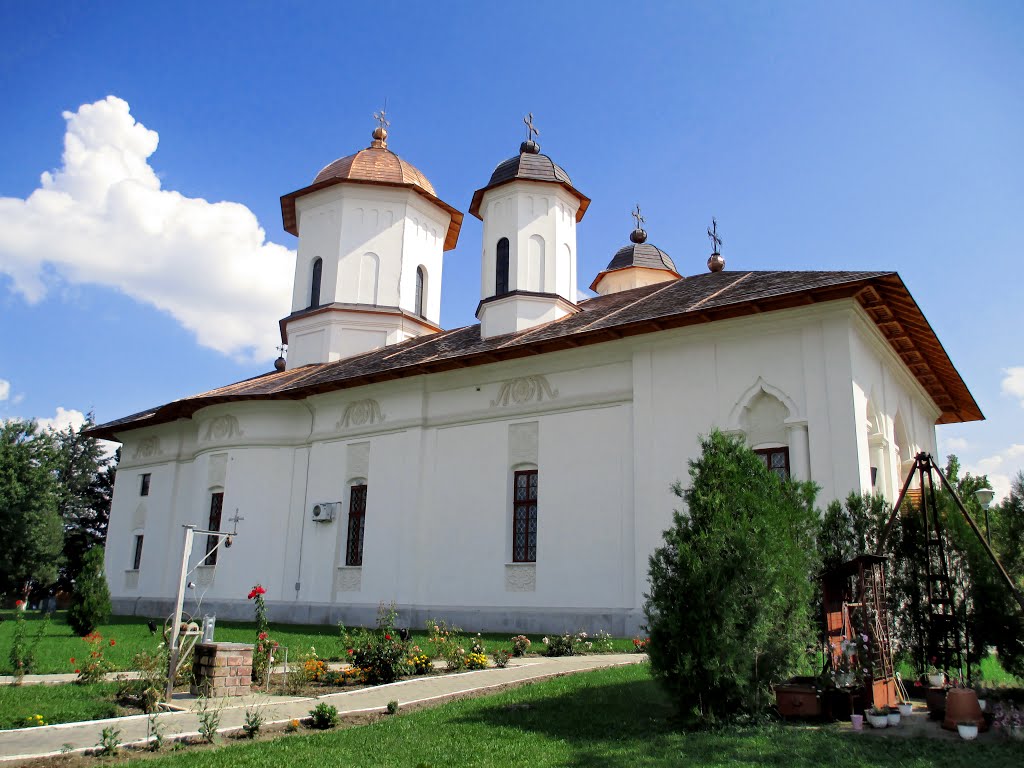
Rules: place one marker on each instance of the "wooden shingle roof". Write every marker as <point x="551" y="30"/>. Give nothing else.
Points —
<point x="695" y="300"/>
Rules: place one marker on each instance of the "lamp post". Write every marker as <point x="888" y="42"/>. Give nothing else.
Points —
<point x="984" y="497"/>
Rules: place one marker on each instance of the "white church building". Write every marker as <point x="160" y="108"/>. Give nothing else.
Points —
<point x="512" y="475"/>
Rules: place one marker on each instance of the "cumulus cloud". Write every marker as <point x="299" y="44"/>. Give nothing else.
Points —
<point x="1001" y="468"/>
<point x="103" y="219"/>
<point x="954" y="445"/>
<point x="5" y="389"/>
<point x="1013" y="383"/>
<point x="64" y="418"/>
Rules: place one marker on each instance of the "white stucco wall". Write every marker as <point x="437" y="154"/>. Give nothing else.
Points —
<point x="609" y="428"/>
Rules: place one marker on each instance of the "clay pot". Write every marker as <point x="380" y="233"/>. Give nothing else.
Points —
<point x="962" y="707"/>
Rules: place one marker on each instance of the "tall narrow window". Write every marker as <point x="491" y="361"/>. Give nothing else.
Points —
<point x="216" y="506"/>
<point x="144" y="484"/>
<point x="776" y="459"/>
<point x="420" y="310"/>
<point x="356" y="525"/>
<point x="524" y="517"/>
<point x="501" y="268"/>
<point x="137" y="560"/>
<point x="314" y="287"/>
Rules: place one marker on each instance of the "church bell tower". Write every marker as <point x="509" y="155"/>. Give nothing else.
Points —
<point x="529" y="210"/>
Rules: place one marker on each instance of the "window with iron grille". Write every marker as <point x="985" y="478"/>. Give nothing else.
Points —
<point x="137" y="560"/>
<point x="776" y="459"/>
<point x="501" y="268"/>
<point x="216" y="507"/>
<point x="524" y="517"/>
<point x="144" y="484"/>
<point x="356" y="525"/>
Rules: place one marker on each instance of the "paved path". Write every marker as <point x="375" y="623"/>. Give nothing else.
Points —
<point x="25" y="743"/>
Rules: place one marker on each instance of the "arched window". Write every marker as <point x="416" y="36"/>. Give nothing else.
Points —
<point x="314" y="290"/>
<point x="501" y="268"/>
<point x="420" y="298"/>
<point x="524" y="516"/>
<point x="356" y="523"/>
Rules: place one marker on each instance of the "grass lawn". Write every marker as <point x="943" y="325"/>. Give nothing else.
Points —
<point x="56" y="703"/>
<point x="604" y="719"/>
<point x="131" y="635"/>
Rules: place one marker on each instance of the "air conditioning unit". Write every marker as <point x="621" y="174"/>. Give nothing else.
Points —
<point x="324" y="511"/>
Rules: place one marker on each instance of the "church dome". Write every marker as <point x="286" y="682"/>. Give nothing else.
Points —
<point x="640" y="253"/>
<point x="376" y="164"/>
<point x="529" y="165"/>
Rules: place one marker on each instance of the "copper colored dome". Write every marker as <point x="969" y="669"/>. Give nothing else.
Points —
<point x="376" y="164"/>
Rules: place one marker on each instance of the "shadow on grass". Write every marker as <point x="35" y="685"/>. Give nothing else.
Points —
<point x="634" y="724"/>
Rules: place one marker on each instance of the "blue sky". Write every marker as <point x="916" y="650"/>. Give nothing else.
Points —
<point x="822" y="136"/>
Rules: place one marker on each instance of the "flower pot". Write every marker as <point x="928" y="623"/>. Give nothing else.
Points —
<point x="877" y="721"/>
<point x="894" y="719"/>
<point x="967" y="732"/>
<point x="857" y="721"/>
<point x="906" y="709"/>
<point x="937" y="681"/>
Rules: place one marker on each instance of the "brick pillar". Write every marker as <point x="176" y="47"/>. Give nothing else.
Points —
<point x="221" y="669"/>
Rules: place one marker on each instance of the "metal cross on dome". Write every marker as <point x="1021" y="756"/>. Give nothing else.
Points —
<point x="639" y="217"/>
<point x="281" y="349"/>
<point x="381" y="117"/>
<point x="713" y="234"/>
<point x="530" y="130"/>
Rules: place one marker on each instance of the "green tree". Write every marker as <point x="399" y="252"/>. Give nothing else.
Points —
<point x="29" y="516"/>
<point x="90" y="598"/>
<point x="729" y="609"/>
<point x="85" y="477"/>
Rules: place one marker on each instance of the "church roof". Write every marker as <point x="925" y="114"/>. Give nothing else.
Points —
<point x="641" y="255"/>
<point x="529" y="165"/>
<point x="699" y="299"/>
<point x="376" y="165"/>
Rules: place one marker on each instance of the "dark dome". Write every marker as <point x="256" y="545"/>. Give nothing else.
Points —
<point x="534" y="167"/>
<point x="641" y="255"/>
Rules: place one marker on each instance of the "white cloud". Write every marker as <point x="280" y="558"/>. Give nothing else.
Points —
<point x="64" y="418"/>
<point x="1000" y="467"/>
<point x="954" y="445"/>
<point x="1013" y="383"/>
<point x="103" y="219"/>
<point x="5" y="389"/>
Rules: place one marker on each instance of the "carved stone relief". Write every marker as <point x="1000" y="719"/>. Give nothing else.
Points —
<point x="521" y="577"/>
<point x="223" y="428"/>
<point x="147" y="448"/>
<point x="522" y="443"/>
<point x="348" y="579"/>
<point x="525" y="389"/>
<point x="360" y="413"/>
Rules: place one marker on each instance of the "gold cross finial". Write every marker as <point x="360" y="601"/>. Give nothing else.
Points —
<point x="530" y="130"/>
<point x="382" y="118"/>
<point x="639" y="217"/>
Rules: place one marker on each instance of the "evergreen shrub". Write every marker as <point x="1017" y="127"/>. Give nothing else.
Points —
<point x="90" y="598"/>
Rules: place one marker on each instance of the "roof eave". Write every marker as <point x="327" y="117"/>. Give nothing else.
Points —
<point x="289" y="218"/>
<point x="478" y="196"/>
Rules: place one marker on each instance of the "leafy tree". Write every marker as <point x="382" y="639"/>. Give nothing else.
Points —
<point x="1007" y="524"/>
<point x="85" y="481"/>
<point x="29" y="516"/>
<point x="90" y="599"/>
<point x="729" y="608"/>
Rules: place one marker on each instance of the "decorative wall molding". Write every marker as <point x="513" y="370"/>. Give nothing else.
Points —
<point x="204" y="575"/>
<point x="361" y="413"/>
<point x="223" y="428"/>
<point x="524" y="389"/>
<point x="348" y="578"/>
<point x="521" y="577"/>
<point x="131" y="579"/>
<point x="758" y="387"/>
<point x="147" y="448"/>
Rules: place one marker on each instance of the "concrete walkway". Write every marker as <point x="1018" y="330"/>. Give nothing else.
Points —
<point x="26" y="743"/>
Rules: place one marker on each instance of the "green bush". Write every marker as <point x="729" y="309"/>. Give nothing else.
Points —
<point x="729" y="609"/>
<point x="323" y="716"/>
<point x="90" y="598"/>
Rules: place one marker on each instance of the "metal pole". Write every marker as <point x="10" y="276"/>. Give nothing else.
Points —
<point x="173" y="645"/>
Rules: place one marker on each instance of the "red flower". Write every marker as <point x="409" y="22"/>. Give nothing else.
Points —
<point x="78" y="671"/>
<point x="387" y="637"/>
<point x="112" y="643"/>
<point x="257" y="590"/>
<point x="72" y="659"/>
<point x="350" y="651"/>
<point x="261" y="636"/>
<point x="18" y="603"/>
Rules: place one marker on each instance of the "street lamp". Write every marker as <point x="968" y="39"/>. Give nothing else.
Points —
<point x="984" y="497"/>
